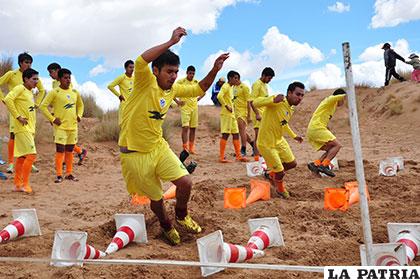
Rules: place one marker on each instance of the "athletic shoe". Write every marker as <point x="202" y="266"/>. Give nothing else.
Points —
<point x="224" y="160"/>
<point x="17" y="189"/>
<point x="326" y="170"/>
<point x="313" y="168"/>
<point x="189" y="224"/>
<point x="71" y="177"/>
<point x="243" y="151"/>
<point x="3" y="176"/>
<point x="27" y="189"/>
<point x="59" y="179"/>
<point x="2" y="162"/>
<point x="82" y="156"/>
<point x="34" y="169"/>
<point x="172" y="236"/>
<point x="242" y="159"/>
<point x="10" y="168"/>
<point x="284" y="194"/>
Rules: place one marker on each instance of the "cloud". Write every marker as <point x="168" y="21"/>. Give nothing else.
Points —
<point x="279" y="52"/>
<point x="389" y="13"/>
<point x="102" y="28"/>
<point x="97" y="70"/>
<point x="339" y="7"/>
<point x="371" y="70"/>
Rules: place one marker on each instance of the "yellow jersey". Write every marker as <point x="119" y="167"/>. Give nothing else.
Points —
<point x="67" y="105"/>
<point x="14" y="78"/>
<point x="325" y="111"/>
<point x="145" y="110"/>
<point x="225" y="98"/>
<point x="241" y="97"/>
<point x="20" y="102"/>
<point x="125" y="84"/>
<point x="259" y="89"/>
<point x="275" y="121"/>
<point x="190" y="103"/>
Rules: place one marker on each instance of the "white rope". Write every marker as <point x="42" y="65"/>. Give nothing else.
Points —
<point x="170" y="263"/>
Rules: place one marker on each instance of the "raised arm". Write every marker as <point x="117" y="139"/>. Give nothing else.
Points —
<point x="207" y="81"/>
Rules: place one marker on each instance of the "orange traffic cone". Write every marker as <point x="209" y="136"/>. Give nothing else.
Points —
<point x="234" y="197"/>
<point x="260" y="190"/>
<point x="139" y="200"/>
<point x="130" y="227"/>
<point x="353" y="189"/>
<point x="336" y="198"/>
<point x="170" y="193"/>
<point x="239" y="253"/>
<point x="25" y="223"/>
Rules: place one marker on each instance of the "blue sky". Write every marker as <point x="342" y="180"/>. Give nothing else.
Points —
<point x="300" y="39"/>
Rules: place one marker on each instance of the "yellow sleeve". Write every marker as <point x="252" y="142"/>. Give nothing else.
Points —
<point x="221" y="96"/>
<point x="41" y="93"/>
<point x="247" y="93"/>
<point x="142" y="74"/>
<point x="116" y="82"/>
<point x="4" y="80"/>
<point x="333" y="99"/>
<point x="79" y="105"/>
<point x="45" y="103"/>
<point x="263" y="101"/>
<point x="290" y="131"/>
<point x="182" y="90"/>
<point x="9" y="100"/>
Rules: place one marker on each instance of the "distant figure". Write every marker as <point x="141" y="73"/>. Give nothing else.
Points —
<point x="390" y="57"/>
<point x="415" y="62"/>
<point x="216" y="89"/>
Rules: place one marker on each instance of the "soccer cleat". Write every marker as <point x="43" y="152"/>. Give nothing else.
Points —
<point x="34" y="169"/>
<point x="313" y="168"/>
<point x="326" y="170"/>
<point x="172" y="236"/>
<point x="59" y="179"/>
<point x="242" y="159"/>
<point x="189" y="224"/>
<point x="243" y="151"/>
<point x="10" y="168"/>
<point x="71" y="177"/>
<point x="224" y="160"/>
<point x="284" y="194"/>
<point x="81" y="156"/>
<point x="27" y="189"/>
<point x="3" y="176"/>
<point x="2" y="162"/>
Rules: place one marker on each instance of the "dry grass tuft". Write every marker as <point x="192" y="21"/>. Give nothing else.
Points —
<point x="394" y="105"/>
<point x="91" y="108"/>
<point x="44" y="129"/>
<point x="108" y="129"/>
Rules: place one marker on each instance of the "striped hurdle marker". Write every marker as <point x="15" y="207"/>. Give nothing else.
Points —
<point x="265" y="232"/>
<point x="408" y="234"/>
<point x="386" y="254"/>
<point x="130" y="227"/>
<point x="238" y="253"/>
<point x="25" y="223"/>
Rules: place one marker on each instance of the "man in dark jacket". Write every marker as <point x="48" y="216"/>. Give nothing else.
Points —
<point x="390" y="57"/>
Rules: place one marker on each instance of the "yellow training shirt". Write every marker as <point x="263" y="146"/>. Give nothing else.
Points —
<point x="145" y="110"/>
<point x="67" y="105"/>
<point x="259" y="89"/>
<point x="125" y="85"/>
<point x="14" y="78"/>
<point x="241" y="96"/>
<point x="275" y="121"/>
<point x="20" y="102"/>
<point x="225" y="97"/>
<point x="325" y="111"/>
<point x="190" y="103"/>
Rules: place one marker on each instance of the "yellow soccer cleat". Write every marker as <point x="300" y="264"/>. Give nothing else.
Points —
<point x="189" y="224"/>
<point x="172" y="236"/>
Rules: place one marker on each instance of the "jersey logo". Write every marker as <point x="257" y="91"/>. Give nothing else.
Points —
<point x="162" y="102"/>
<point x="68" y="97"/>
<point x="283" y="122"/>
<point x="156" y="115"/>
<point x="69" y="106"/>
<point x="31" y="108"/>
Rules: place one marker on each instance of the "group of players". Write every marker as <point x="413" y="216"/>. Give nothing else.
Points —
<point x="146" y="95"/>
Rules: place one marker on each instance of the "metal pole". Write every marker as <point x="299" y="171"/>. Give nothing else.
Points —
<point x="319" y="269"/>
<point x="355" y="134"/>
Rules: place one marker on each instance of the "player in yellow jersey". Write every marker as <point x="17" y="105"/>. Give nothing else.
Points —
<point x="241" y="107"/>
<point x="68" y="110"/>
<point x="146" y="158"/>
<point x="274" y="125"/>
<point x="125" y="84"/>
<point x="228" y="123"/>
<point x="53" y="69"/>
<point x="259" y="89"/>
<point x="12" y="79"/>
<point x="21" y="105"/>
<point x="189" y="112"/>
<point x="320" y="137"/>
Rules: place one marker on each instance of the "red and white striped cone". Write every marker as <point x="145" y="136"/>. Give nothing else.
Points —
<point x="238" y="253"/>
<point x="412" y="244"/>
<point x="387" y="260"/>
<point x="385" y="254"/>
<point x="130" y="227"/>
<point x="25" y="223"/>
<point x="92" y="253"/>
<point x="388" y="168"/>
<point x="260" y="238"/>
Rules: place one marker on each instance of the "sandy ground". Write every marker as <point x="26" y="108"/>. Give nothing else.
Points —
<point x="313" y="236"/>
